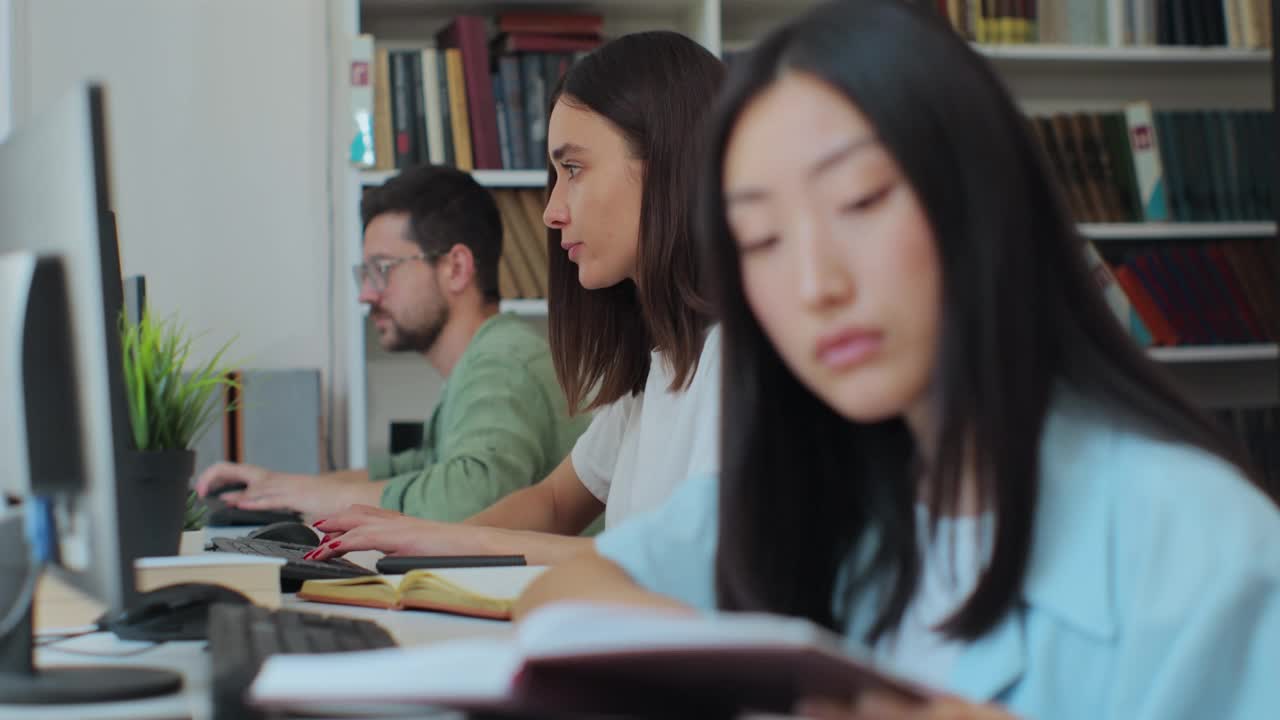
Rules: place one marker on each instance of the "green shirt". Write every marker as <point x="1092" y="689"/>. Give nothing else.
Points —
<point x="501" y="425"/>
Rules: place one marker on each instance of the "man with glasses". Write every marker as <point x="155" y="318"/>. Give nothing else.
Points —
<point x="432" y="238"/>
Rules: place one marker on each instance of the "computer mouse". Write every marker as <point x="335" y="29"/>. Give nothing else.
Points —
<point x="176" y="612"/>
<point x="289" y="532"/>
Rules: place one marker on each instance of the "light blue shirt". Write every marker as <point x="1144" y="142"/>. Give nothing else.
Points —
<point x="1152" y="591"/>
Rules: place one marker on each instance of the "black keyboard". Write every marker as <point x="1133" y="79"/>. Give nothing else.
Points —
<point x="241" y="637"/>
<point x="296" y="569"/>
<point x="229" y="516"/>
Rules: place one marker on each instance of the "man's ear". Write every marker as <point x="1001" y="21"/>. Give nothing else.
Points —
<point x="460" y="269"/>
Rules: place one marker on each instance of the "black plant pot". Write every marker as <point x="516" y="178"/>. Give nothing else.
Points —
<point x="152" y="518"/>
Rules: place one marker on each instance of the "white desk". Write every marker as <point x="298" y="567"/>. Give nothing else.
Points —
<point x="190" y="658"/>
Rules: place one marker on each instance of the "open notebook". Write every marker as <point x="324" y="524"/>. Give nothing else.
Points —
<point x="591" y="659"/>
<point x="475" y="592"/>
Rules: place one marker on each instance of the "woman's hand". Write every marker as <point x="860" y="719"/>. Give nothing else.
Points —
<point x="879" y="706"/>
<point x="363" y="527"/>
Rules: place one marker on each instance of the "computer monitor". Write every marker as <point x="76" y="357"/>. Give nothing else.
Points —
<point x="63" y="289"/>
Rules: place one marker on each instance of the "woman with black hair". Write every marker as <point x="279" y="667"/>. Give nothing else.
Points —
<point x="935" y="437"/>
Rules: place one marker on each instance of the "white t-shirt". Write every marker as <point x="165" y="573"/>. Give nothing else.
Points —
<point x="639" y="449"/>
<point x="951" y="564"/>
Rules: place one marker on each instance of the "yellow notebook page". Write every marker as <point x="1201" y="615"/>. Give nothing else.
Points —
<point x="426" y="587"/>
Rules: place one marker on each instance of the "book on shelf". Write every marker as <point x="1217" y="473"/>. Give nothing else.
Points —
<point x="505" y="145"/>
<point x="459" y="111"/>
<point x="597" y="659"/>
<point x="511" y="43"/>
<point x="434" y="104"/>
<point x="472" y="592"/>
<point x="523" y="243"/>
<point x="383" y="134"/>
<point x="466" y="33"/>
<point x="1145" y="168"/>
<point x="360" y="80"/>
<point x="1137" y="165"/>
<point x="1202" y="292"/>
<point x="1113" y="292"/>
<point x="568" y="24"/>
<point x="512" y="112"/>
<point x="469" y="100"/>
<point x="403" y="113"/>
<point x="1113" y="23"/>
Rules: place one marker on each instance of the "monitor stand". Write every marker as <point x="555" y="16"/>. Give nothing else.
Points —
<point x="22" y="683"/>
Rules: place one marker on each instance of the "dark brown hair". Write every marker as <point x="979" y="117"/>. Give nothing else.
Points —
<point x="655" y="88"/>
<point x="446" y="207"/>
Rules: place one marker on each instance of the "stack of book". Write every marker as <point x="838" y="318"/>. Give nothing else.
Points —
<point x="1204" y="293"/>
<point x="1139" y="165"/>
<point x="1223" y="23"/>
<point x="522" y="269"/>
<point x="469" y="101"/>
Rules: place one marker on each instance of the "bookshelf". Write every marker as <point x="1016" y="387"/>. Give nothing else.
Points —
<point x="1181" y="231"/>
<point x="487" y="178"/>
<point x="1147" y="55"/>
<point x="1232" y="353"/>
<point x="1043" y="78"/>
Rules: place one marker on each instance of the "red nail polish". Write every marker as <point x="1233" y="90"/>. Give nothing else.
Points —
<point x="317" y="524"/>
<point x="334" y="545"/>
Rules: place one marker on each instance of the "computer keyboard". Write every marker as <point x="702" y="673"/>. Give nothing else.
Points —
<point x="296" y="569"/>
<point x="236" y="517"/>
<point x="241" y="637"/>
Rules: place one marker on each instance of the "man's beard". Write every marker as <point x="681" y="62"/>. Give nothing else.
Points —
<point x="419" y="339"/>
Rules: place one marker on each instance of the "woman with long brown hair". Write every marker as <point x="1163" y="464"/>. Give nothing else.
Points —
<point x="630" y="331"/>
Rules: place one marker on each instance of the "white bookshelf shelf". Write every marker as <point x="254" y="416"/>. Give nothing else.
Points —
<point x="1086" y="54"/>
<point x="487" y="178"/>
<point x="1044" y="79"/>
<point x="1219" y="353"/>
<point x="536" y="307"/>
<point x="1162" y="231"/>
<point x="1135" y="54"/>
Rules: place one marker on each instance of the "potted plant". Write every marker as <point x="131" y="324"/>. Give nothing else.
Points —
<point x="170" y="407"/>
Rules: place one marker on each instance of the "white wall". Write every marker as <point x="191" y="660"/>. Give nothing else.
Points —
<point x="6" y="80"/>
<point x="220" y="132"/>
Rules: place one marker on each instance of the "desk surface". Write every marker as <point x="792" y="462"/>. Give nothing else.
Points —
<point x="190" y="658"/>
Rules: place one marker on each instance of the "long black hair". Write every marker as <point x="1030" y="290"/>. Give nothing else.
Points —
<point x="801" y="486"/>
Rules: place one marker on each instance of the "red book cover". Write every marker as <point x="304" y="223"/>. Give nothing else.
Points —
<point x="1210" y="303"/>
<point x="467" y="34"/>
<point x="1219" y="258"/>
<point x="551" y="23"/>
<point x="1161" y="329"/>
<point x="541" y="42"/>
<point x="1159" y="287"/>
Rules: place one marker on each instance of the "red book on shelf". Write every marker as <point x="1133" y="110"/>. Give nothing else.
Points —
<point x="1160" y="287"/>
<point x="551" y="23"/>
<point x="467" y="33"/>
<point x="542" y="42"/>
<point x="1219" y="258"/>
<point x="1161" y="330"/>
